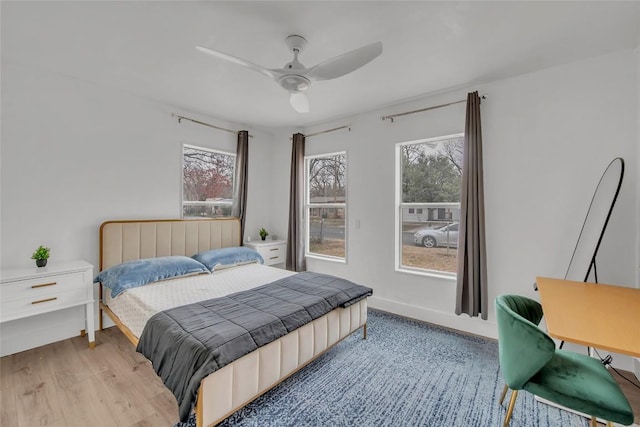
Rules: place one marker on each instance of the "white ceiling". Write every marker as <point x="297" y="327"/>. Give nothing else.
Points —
<point x="147" y="48"/>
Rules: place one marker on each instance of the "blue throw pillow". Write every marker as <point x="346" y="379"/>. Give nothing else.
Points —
<point x="132" y="274"/>
<point x="228" y="257"/>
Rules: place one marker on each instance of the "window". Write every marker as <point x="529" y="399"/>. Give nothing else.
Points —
<point x="325" y="205"/>
<point x="207" y="182"/>
<point x="428" y="204"/>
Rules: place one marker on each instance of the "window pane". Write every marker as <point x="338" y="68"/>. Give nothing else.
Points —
<point x="327" y="231"/>
<point x="327" y="179"/>
<point x="430" y="184"/>
<point x="431" y="171"/>
<point x="326" y="194"/>
<point x="207" y="183"/>
<point x="431" y="245"/>
<point x="205" y="211"/>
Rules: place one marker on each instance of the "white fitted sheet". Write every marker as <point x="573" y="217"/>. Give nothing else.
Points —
<point x="135" y="306"/>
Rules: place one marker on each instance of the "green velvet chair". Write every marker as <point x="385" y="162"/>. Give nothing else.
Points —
<point x="529" y="361"/>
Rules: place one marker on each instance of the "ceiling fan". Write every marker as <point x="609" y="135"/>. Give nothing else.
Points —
<point x="296" y="78"/>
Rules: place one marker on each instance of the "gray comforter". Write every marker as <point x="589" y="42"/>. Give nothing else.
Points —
<point x="187" y="343"/>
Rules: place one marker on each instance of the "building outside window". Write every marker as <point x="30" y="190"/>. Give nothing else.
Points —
<point x="207" y="182"/>
<point x="325" y="205"/>
<point x="428" y="204"/>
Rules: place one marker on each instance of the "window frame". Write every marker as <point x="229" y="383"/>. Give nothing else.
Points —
<point x="399" y="205"/>
<point x="308" y="206"/>
<point x="183" y="202"/>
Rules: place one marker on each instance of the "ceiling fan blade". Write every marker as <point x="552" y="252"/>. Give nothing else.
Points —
<point x="299" y="101"/>
<point x="274" y="74"/>
<point x="344" y="64"/>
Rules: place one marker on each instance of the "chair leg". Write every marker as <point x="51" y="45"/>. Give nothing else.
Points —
<point x="512" y="403"/>
<point x="594" y="422"/>
<point x="504" y="393"/>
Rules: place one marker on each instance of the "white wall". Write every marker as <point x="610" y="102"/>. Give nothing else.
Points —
<point x="279" y="162"/>
<point x="75" y="154"/>
<point x="548" y="136"/>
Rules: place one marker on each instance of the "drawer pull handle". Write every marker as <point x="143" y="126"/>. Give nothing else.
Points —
<point x="273" y="257"/>
<point x="43" y="285"/>
<point x="44" y="300"/>
<point x="274" y="249"/>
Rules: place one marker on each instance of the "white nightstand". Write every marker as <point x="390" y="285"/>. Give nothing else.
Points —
<point x="26" y="292"/>
<point x="274" y="252"/>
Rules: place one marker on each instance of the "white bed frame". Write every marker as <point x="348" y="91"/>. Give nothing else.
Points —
<point x="237" y="384"/>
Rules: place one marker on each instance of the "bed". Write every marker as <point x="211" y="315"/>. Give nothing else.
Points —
<point x="233" y="386"/>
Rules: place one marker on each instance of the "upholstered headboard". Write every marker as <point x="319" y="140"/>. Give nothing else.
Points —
<point x="122" y="241"/>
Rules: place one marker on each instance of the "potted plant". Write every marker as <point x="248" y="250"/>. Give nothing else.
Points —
<point x="41" y="255"/>
<point x="263" y="233"/>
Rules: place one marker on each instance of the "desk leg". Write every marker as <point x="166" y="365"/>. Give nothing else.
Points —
<point x="91" y="330"/>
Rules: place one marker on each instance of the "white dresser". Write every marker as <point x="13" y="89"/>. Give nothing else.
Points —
<point x="26" y="292"/>
<point x="274" y="252"/>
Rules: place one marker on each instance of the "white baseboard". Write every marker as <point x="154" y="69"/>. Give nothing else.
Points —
<point x="463" y="323"/>
<point x="636" y="368"/>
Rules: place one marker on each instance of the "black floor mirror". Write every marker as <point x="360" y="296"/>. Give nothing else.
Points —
<point x="582" y="266"/>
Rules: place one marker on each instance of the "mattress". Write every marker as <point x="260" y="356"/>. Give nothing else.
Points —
<point x="135" y="306"/>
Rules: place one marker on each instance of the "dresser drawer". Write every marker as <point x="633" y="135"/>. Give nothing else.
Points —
<point x="42" y="303"/>
<point x="37" y="288"/>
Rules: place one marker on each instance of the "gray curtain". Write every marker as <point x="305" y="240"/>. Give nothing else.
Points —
<point x="239" y="207"/>
<point x="472" y="294"/>
<point x="296" y="238"/>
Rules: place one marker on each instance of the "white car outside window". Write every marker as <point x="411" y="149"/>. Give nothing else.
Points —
<point x="433" y="237"/>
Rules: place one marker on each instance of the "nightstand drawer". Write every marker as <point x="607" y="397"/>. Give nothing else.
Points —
<point x="37" y="304"/>
<point x="273" y="251"/>
<point x="39" y="287"/>
<point x="273" y="255"/>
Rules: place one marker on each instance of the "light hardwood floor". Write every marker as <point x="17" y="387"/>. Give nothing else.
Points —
<point x="65" y="384"/>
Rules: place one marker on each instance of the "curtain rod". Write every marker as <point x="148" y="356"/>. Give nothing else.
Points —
<point x="329" y="130"/>
<point x="392" y="116"/>
<point x="180" y="118"/>
<point x="326" y="131"/>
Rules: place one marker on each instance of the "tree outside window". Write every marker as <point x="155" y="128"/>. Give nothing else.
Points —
<point x="325" y="203"/>
<point x="207" y="189"/>
<point x="428" y="195"/>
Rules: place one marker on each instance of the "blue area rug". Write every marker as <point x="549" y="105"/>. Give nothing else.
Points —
<point x="407" y="373"/>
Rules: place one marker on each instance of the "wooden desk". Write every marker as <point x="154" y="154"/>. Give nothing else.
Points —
<point x="595" y="315"/>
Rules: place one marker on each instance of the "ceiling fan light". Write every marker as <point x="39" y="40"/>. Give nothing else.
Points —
<point x="299" y="101"/>
<point x="294" y="82"/>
